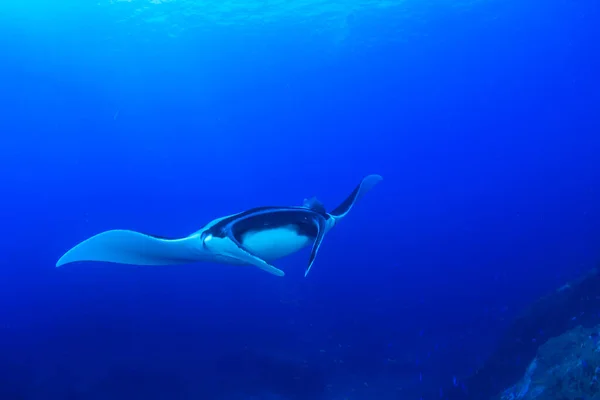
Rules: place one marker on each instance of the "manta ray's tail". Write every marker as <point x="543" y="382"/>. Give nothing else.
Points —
<point x="129" y="247"/>
<point x="363" y="187"/>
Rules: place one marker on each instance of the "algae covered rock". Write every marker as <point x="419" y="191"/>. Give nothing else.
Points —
<point x="566" y="367"/>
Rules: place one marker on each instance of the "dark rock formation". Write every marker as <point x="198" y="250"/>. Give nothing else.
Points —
<point x="576" y="303"/>
<point x="566" y="367"/>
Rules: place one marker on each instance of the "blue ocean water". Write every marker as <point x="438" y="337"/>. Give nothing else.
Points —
<point x="159" y="116"/>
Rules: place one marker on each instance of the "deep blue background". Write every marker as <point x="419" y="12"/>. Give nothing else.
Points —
<point x="483" y="118"/>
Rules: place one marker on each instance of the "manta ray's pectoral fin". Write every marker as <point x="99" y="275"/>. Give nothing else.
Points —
<point x="363" y="187"/>
<point x="231" y="247"/>
<point x="129" y="247"/>
<point x="318" y="240"/>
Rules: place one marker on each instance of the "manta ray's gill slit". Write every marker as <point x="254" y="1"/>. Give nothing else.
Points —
<point x="159" y="237"/>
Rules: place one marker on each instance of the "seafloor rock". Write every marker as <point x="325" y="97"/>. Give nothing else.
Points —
<point x="574" y="304"/>
<point x="566" y="367"/>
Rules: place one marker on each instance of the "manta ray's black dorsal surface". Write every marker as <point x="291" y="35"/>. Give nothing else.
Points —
<point x="307" y="222"/>
<point x="269" y="218"/>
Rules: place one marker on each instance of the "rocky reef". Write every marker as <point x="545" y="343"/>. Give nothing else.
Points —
<point x="566" y="367"/>
<point x="532" y="347"/>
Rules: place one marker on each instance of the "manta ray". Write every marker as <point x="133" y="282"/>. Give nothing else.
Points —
<point x="255" y="237"/>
